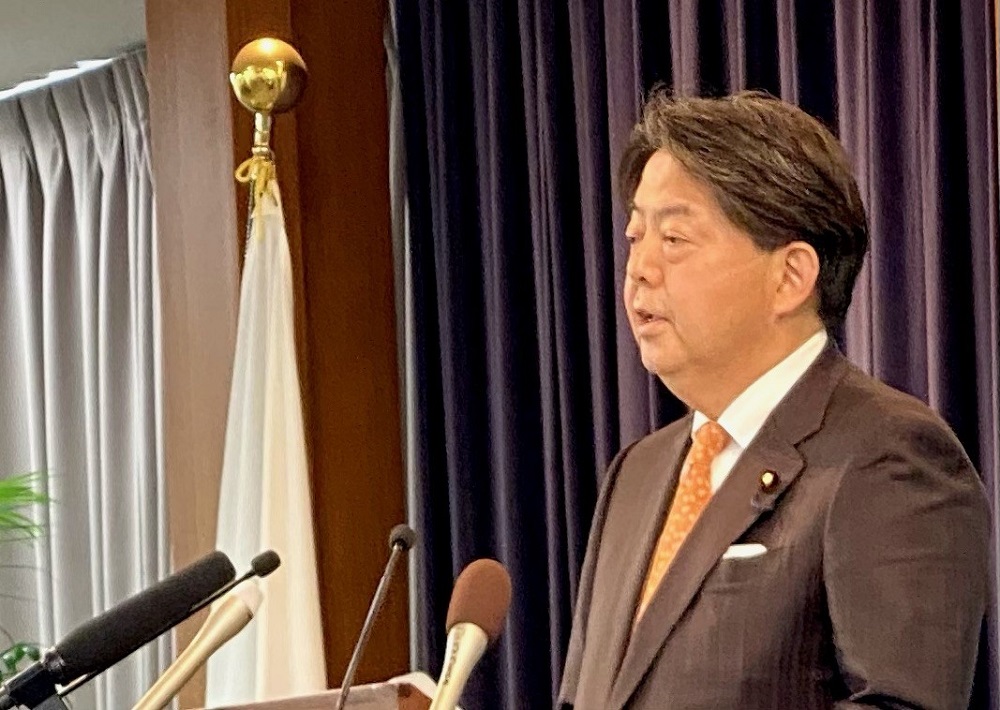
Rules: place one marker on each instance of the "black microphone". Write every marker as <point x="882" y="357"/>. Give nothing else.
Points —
<point x="260" y="566"/>
<point x="106" y="639"/>
<point x="401" y="539"/>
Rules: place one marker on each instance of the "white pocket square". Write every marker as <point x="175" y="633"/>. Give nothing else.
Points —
<point x="745" y="551"/>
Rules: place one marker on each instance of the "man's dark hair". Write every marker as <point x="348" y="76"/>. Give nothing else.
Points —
<point x="777" y="173"/>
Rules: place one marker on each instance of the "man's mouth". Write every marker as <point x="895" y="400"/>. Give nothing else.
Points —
<point x="645" y="317"/>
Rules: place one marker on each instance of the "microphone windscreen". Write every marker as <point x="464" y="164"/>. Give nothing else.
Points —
<point x="481" y="597"/>
<point x="402" y="535"/>
<point x="265" y="563"/>
<point x="108" y="638"/>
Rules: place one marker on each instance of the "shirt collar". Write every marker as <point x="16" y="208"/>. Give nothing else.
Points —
<point x="746" y="414"/>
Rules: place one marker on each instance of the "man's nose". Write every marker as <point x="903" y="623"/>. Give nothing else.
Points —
<point x="643" y="264"/>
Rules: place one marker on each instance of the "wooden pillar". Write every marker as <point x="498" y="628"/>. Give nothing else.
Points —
<point x="197" y="252"/>
<point x="332" y="158"/>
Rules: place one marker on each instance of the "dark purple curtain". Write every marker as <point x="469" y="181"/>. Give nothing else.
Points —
<point x="524" y="381"/>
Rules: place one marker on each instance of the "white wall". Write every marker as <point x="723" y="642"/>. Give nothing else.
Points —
<point x="38" y="36"/>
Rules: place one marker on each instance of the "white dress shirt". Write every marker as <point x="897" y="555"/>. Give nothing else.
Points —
<point x="745" y="416"/>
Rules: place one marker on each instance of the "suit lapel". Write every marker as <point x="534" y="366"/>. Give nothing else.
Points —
<point x="736" y="506"/>
<point x="640" y="532"/>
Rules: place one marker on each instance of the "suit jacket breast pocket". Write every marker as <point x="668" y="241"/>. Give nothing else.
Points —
<point x="738" y="575"/>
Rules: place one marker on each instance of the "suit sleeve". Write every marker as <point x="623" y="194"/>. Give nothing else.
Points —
<point x="906" y="568"/>
<point x="578" y="636"/>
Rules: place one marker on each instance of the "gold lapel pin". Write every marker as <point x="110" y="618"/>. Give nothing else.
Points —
<point x="768" y="480"/>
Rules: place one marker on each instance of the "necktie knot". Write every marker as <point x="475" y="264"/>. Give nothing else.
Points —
<point x="711" y="439"/>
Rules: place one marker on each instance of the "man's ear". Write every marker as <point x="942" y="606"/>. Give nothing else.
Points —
<point x="797" y="272"/>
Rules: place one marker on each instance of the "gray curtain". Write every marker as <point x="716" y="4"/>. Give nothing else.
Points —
<point x="79" y="390"/>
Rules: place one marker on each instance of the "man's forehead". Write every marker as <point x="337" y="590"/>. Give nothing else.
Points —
<point x="666" y="188"/>
<point x="661" y="164"/>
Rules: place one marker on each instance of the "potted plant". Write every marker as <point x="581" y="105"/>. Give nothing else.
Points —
<point x="17" y="495"/>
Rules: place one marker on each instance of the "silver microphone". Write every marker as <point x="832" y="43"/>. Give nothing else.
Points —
<point x="227" y="618"/>
<point x="476" y="615"/>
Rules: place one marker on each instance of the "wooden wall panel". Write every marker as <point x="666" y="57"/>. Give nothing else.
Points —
<point x="347" y="259"/>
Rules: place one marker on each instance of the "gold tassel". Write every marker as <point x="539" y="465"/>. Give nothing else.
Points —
<point x="259" y="171"/>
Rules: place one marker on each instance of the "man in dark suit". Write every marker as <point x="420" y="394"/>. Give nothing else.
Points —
<point x="806" y="537"/>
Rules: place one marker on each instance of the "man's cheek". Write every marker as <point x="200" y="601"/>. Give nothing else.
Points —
<point x="628" y="290"/>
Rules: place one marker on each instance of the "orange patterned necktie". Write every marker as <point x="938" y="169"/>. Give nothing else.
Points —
<point x="694" y="490"/>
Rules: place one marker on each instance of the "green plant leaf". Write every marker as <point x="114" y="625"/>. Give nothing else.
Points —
<point x="18" y="493"/>
<point x="15" y="658"/>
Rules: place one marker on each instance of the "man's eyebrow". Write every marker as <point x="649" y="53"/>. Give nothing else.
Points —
<point x="668" y="210"/>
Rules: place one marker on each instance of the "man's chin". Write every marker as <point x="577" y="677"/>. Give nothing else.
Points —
<point x="660" y="365"/>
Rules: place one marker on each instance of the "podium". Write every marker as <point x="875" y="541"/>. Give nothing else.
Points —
<point x="408" y="692"/>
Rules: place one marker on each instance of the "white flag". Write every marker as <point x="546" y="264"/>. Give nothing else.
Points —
<point x="265" y="499"/>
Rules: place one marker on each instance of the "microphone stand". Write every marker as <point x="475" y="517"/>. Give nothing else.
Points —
<point x="398" y="548"/>
<point x="42" y="696"/>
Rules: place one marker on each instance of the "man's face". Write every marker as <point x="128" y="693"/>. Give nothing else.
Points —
<point x="698" y="291"/>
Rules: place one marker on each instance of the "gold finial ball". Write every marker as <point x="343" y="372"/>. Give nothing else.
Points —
<point x="268" y="75"/>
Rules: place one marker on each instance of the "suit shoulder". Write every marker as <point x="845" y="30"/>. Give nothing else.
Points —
<point x="873" y="412"/>
<point x="646" y="450"/>
<point x="886" y="432"/>
<point x="654" y="443"/>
